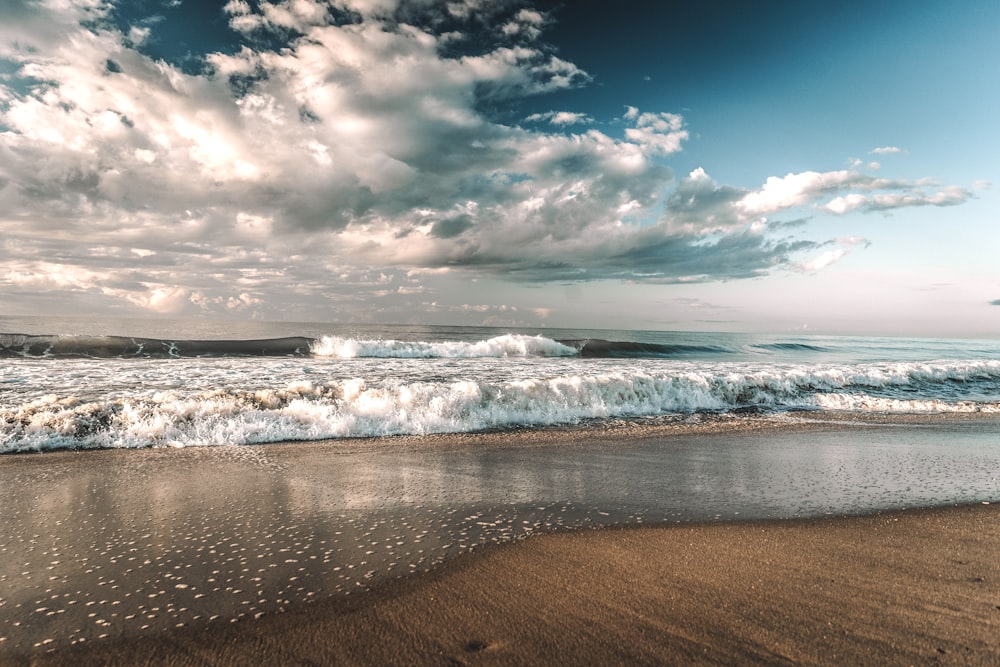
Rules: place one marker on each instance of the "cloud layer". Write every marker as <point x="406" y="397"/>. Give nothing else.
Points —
<point x="353" y="151"/>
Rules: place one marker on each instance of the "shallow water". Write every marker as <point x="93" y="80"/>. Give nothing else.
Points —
<point x="120" y="543"/>
<point x="86" y="385"/>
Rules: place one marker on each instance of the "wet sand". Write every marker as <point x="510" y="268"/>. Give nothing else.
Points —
<point x="894" y="589"/>
<point x="416" y="549"/>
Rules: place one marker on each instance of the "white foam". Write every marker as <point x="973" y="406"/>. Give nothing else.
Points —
<point x="511" y="345"/>
<point x="331" y="406"/>
<point x="867" y="403"/>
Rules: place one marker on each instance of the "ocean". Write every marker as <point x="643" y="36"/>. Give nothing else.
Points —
<point x="73" y="384"/>
<point x="133" y="506"/>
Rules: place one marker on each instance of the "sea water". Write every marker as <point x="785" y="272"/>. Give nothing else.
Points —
<point x="80" y="384"/>
<point x="134" y="539"/>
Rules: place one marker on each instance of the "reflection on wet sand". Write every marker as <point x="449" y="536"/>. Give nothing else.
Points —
<point x="106" y="544"/>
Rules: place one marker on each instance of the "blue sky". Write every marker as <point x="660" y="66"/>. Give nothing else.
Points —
<point x="781" y="166"/>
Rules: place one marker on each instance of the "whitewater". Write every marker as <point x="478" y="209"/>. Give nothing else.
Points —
<point x="81" y="387"/>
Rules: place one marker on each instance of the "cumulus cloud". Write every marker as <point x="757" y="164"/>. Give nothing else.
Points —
<point x="526" y="23"/>
<point x="699" y="203"/>
<point x="887" y="150"/>
<point x="659" y="132"/>
<point x="560" y="118"/>
<point x="783" y="192"/>
<point x="810" y="188"/>
<point x="341" y="136"/>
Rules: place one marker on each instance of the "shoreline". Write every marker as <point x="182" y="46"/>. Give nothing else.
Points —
<point x="908" y="587"/>
<point x="118" y="548"/>
<point x="606" y="429"/>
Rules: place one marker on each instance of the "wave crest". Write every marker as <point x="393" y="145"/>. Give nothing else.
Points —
<point x="354" y="408"/>
<point x="510" y="345"/>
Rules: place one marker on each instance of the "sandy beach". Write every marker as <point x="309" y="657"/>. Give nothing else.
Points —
<point x="919" y="587"/>
<point x="722" y="543"/>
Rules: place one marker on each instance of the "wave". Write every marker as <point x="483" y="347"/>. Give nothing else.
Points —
<point x="611" y="349"/>
<point x="510" y="345"/>
<point x="790" y="347"/>
<point x="123" y="347"/>
<point x="355" y="408"/>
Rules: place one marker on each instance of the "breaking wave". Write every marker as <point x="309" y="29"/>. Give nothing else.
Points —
<point x="356" y="408"/>
<point x="510" y="345"/>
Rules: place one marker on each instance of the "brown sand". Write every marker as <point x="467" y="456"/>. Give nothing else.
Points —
<point x="918" y="587"/>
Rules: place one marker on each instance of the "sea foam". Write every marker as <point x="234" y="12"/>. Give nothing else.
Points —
<point x="356" y="407"/>
<point x="511" y="345"/>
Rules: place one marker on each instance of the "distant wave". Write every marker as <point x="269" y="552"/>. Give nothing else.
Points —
<point x="624" y="349"/>
<point x="354" y="408"/>
<point x="790" y="347"/>
<point x="121" y="347"/>
<point x="510" y="345"/>
<point x="14" y="345"/>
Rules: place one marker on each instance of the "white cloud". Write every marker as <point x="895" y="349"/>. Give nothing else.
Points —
<point x="834" y="255"/>
<point x="810" y="188"/>
<point x="278" y="177"/>
<point x="656" y="132"/>
<point x="950" y="196"/>
<point x="526" y="23"/>
<point x="887" y="150"/>
<point x="531" y="16"/>
<point x="824" y="260"/>
<point x="845" y="204"/>
<point x="165" y="300"/>
<point x="237" y="7"/>
<point x="779" y="193"/>
<point x="560" y="117"/>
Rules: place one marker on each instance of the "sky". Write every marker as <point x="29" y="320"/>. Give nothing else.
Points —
<point x="723" y="165"/>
